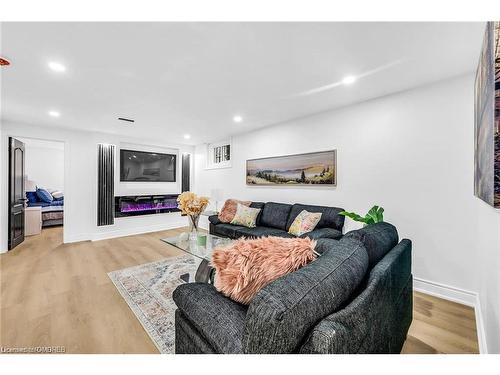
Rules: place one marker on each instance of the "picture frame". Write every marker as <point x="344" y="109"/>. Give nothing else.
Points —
<point x="306" y="169"/>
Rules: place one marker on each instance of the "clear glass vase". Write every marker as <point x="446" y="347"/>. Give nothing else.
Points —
<point x="193" y="226"/>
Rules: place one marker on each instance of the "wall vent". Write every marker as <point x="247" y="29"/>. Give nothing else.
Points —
<point x="125" y="119"/>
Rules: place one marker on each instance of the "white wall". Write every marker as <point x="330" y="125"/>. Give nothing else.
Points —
<point x="410" y="152"/>
<point x="80" y="176"/>
<point x="487" y="237"/>
<point x="44" y="163"/>
<point x="406" y="152"/>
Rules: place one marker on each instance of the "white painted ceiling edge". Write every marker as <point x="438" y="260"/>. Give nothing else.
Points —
<point x="176" y="79"/>
<point x="42" y="143"/>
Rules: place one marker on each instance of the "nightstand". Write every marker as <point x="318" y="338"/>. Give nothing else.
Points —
<point x="32" y="221"/>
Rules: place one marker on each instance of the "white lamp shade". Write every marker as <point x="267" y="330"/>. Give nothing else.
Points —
<point x="216" y="194"/>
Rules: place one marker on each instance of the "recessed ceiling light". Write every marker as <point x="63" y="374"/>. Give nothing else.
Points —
<point x="57" y="67"/>
<point x="54" y="114"/>
<point x="237" y="119"/>
<point x="348" y="80"/>
<point x="187" y="136"/>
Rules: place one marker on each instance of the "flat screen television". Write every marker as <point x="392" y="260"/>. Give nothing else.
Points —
<point x="141" y="166"/>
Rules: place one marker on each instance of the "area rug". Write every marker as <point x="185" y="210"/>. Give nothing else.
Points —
<point x="148" y="288"/>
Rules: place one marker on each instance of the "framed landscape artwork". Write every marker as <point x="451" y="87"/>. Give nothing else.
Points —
<point x="487" y="119"/>
<point x="315" y="168"/>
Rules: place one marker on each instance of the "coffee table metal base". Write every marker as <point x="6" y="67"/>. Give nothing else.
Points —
<point x="204" y="273"/>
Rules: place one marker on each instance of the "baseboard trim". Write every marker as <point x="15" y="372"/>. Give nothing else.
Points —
<point x="481" y="331"/>
<point x="76" y="238"/>
<point x="137" y="230"/>
<point x="447" y="292"/>
<point x="465" y="297"/>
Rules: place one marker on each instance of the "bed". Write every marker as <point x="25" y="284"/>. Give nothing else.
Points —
<point x="52" y="213"/>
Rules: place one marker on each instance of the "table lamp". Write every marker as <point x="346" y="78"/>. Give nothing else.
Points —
<point x="217" y="195"/>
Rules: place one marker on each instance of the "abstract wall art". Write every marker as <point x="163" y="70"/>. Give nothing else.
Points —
<point x="487" y="119"/>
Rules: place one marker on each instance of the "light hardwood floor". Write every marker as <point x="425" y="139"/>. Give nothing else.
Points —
<point x="55" y="294"/>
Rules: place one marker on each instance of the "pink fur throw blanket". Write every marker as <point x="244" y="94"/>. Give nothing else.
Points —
<point x="229" y="209"/>
<point x="246" y="266"/>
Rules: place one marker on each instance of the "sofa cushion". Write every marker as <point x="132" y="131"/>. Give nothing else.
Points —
<point x="330" y="217"/>
<point x="378" y="239"/>
<point x="218" y="319"/>
<point x="323" y="233"/>
<point x="284" y="311"/>
<point x="275" y="215"/>
<point x="227" y="230"/>
<point x="214" y="219"/>
<point x="261" y="232"/>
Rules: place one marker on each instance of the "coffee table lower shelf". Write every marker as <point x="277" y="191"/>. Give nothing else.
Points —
<point x="201" y="248"/>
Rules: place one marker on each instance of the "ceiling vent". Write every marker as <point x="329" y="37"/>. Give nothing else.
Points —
<point x="125" y="119"/>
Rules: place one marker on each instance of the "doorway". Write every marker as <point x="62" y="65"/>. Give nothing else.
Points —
<point x="36" y="188"/>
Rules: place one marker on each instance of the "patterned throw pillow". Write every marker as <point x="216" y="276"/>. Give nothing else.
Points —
<point x="304" y="222"/>
<point x="246" y="216"/>
<point x="229" y="209"/>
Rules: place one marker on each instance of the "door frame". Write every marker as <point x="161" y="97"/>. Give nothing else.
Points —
<point x="13" y="134"/>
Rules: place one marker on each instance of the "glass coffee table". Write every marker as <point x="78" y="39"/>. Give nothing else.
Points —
<point x="201" y="247"/>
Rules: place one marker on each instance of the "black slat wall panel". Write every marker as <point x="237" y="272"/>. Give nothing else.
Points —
<point x="186" y="172"/>
<point x="105" y="184"/>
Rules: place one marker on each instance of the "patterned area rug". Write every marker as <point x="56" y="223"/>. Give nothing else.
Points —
<point x="148" y="288"/>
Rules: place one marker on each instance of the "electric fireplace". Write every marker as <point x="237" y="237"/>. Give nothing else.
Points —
<point x="133" y="205"/>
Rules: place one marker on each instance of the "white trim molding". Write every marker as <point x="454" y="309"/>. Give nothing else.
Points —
<point x="76" y="238"/>
<point x="139" y="230"/>
<point x="464" y="297"/>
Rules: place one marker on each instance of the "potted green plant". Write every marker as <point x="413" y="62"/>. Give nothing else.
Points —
<point x="375" y="215"/>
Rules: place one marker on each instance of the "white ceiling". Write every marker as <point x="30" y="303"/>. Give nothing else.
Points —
<point x="178" y="78"/>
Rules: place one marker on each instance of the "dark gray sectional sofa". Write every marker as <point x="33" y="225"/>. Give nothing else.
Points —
<point x="276" y="218"/>
<point x="355" y="298"/>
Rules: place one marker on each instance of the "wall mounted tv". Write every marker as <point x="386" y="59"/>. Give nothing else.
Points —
<point x="141" y="166"/>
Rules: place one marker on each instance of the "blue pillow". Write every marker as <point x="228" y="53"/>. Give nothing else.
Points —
<point x="32" y="197"/>
<point x="44" y="195"/>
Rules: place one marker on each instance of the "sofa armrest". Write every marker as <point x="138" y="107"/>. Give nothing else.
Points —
<point x="214" y="219"/>
<point x="377" y="320"/>
<point x="283" y="312"/>
<point x="218" y="319"/>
